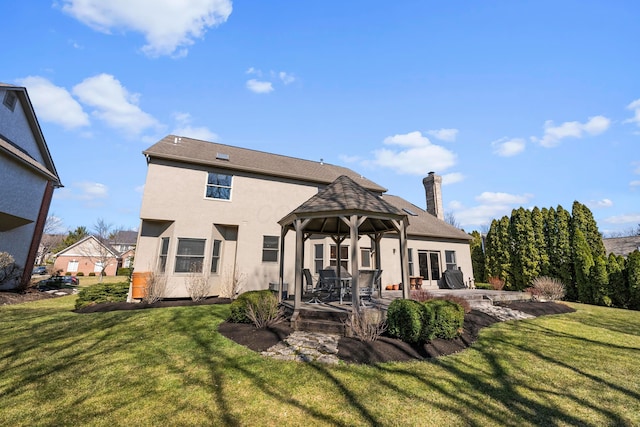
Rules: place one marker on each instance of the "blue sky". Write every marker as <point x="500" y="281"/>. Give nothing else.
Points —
<point x="513" y="103"/>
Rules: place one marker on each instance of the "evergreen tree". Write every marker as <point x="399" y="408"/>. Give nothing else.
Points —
<point x="583" y="219"/>
<point x="477" y="257"/>
<point x="498" y="250"/>
<point x="599" y="282"/>
<point x="633" y="279"/>
<point x="618" y="286"/>
<point x="562" y="258"/>
<point x="538" y="222"/>
<point x="583" y="262"/>
<point x="525" y="264"/>
<point x="74" y="236"/>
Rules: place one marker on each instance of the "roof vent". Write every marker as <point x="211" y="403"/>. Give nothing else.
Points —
<point x="222" y="156"/>
<point x="410" y="212"/>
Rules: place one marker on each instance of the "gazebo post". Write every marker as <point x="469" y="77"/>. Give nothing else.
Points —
<point x="297" y="299"/>
<point x="404" y="259"/>
<point x="355" y="262"/>
<point x="377" y="237"/>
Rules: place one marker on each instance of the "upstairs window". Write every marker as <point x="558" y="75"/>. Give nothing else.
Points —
<point x="190" y="255"/>
<point x="270" y="248"/>
<point x="218" y="186"/>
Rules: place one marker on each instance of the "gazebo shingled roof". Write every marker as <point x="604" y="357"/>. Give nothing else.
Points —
<point x="344" y="209"/>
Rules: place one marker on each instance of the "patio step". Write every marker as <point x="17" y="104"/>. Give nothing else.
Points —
<point x="329" y="322"/>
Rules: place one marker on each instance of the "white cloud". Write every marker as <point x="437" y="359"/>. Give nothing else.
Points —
<point x="604" y="203"/>
<point x="91" y="193"/>
<point x="349" y="159"/>
<point x="184" y="128"/>
<point x="167" y="25"/>
<point x="54" y="103"/>
<point x="623" y="219"/>
<point x="635" y="183"/>
<point x="139" y="189"/>
<point x="635" y="106"/>
<point x="554" y="134"/>
<point x="452" y="178"/>
<point x="286" y="78"/>
<point x="418" y="157"/>
<point x="114" y="104"/>
<point x="252" y="70"/>
<point x="505" y="147"/>
<point x="257" y="86"/>
<point x="503" y="198"/>
<point x="448" y="135"/>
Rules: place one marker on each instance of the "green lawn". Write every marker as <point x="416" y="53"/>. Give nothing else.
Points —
<point x="170" y="367"/>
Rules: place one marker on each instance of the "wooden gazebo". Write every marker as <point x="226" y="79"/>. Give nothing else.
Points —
<point x="344" y="209"/>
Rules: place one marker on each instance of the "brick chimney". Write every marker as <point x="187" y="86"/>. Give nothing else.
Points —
<point x="433" y="189"/>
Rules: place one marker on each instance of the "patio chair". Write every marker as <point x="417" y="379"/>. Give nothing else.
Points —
<point x="367" y="284"/>
<point x="310" y="288"/>
<point x="328" y="281"/>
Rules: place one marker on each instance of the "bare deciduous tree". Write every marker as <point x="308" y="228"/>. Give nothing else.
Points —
<point x="197" y="286"/>
<point x="450" y="218"/>
<point x="232" y="281"/>
<point x="155" y="287"/>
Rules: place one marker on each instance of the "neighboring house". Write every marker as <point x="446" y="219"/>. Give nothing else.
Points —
<point x="28" y="178"/>
<point x="45" y="250"/>
<point x="88" y="255"/>
<point x="214" y="209"/>
<point x="621" y="245"/>
<point x="124" y="240"/>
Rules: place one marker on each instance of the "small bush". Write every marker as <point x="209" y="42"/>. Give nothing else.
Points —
<point x="548" y="288"/>
<point x="496" y="283"/>
<point x="68" y="273"/>
<point x="365" y="328"/>
<point x="239" y="307"/>
<point x="444" y="319"/>
<point x="102" y="292"/>
<point x="422" y="295"/>
<point x="483" y="285"/>
<point x="80" y="273"/>
<point x="405" y="320"/>
<point x="265" y="311"/>
<point x="124" y="271"/>
<point x="92" y="274"/>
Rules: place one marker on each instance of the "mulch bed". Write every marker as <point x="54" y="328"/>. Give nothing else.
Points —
<point x="350" y="350"/>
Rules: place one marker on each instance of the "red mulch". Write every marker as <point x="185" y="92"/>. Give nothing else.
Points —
<point x="350" y="350"/>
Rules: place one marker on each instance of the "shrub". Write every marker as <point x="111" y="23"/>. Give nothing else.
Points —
<point x="405" y="320"/>
<point x="265" y="311"/>
<point x="197" y="286"/>
<point x="10" y="272"/>
<point x="483" y="286"/>
<point x="102" y="292"/>
<point x="548" y="288"/>
<point x="496" y="283"/>
<point x="239" y="307"/>
<point x="124" y="271"/>
<point x="444" y="319"/>
<point x="365" y="328"/>
<point x="155" y="287"/>
<point x="423" y="296"/>
<point x="80" y="273"/>
<point x="92" y="274"/>
<point x="68" y="273"/>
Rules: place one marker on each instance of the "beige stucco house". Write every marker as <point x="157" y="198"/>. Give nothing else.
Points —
<point x="214" y="209"/>
<point x="28" y="178"/>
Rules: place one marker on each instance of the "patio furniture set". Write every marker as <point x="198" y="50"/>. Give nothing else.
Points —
<point x="331" y="285"/>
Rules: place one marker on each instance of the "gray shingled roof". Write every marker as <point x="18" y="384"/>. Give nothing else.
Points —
<point x="345" y="197"/>
<point x="621" y="245"/>
<point x="188" y="150"/>
<point x="422" y="223"/>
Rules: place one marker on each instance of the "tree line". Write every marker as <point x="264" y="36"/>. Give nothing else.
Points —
<point x="560" y="244"/>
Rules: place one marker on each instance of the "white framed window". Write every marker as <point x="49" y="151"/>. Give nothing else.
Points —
<point x="450" y="260"/>
<point x="344" y="256"/>
<point x="365" y="257"/>
<point x="270" y="248"/>
<point x="410" y="262"/>
<point x="164" y="250"/>
<point x="218" y="186"/>
<point x="215" y="256"/>
<point x="190" y="255"/>
<point x="72" y="266"/>
<point x="318" y="257"/>
<point x="97" y="267"/>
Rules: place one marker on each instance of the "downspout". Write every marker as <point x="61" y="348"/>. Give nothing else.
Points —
<point x="37" y="234"/>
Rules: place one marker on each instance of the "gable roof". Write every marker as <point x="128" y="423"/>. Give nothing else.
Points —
<point x="76" y="246"/>
<point x="621" y="245"/>
<point x="15" y="151"/>
<point x="124" y="237"/>
<point x="194" y="151"/>
<point x="422" y="223"/>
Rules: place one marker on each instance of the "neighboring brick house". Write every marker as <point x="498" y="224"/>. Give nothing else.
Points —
<point x="213" y="209"/>
<point x="27" y="180"/>
<point x="88" y="255"/>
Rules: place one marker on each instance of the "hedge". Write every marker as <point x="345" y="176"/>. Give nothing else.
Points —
<point x="405" y="320"/>
<point x="102" y="292"/>
<point x="444" y="319"/>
